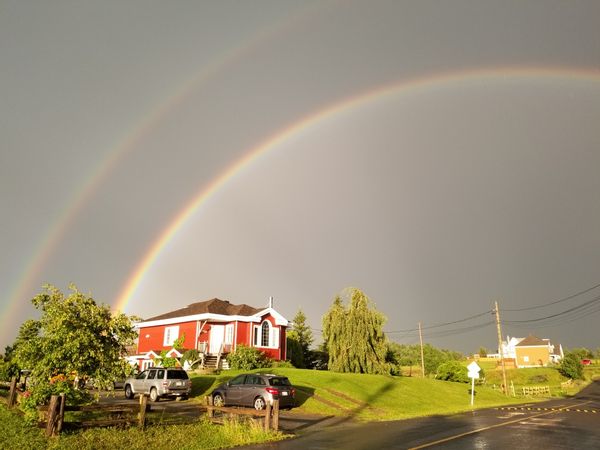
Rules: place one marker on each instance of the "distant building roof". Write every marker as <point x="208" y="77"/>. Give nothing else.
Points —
<point x="531" y="341"/>
<point x="214" y="306"/>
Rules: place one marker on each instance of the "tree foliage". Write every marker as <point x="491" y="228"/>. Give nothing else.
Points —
<point x="299" y="338"/>
<point x="74" y="337"/>
<point x="354" y="335"/>
<point x="402" y="355"/>
<point x="452" y="371"/>
<point x="571" y="366"/>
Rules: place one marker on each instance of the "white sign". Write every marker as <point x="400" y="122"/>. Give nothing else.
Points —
<point x="473" y="374"/>
<point x="474" y="370"/>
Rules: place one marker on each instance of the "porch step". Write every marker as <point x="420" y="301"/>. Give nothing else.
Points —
<point x="210" y="362"/>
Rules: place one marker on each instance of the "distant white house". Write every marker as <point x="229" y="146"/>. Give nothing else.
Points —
<point x="513" y="348"/>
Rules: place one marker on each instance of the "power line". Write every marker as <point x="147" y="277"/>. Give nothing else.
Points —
<point x="577" y="308"/>
<point x="438" y="325"/>
<point x="554" y="302"/>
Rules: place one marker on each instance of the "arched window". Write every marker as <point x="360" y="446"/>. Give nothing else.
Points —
<point x="265" y="340"/>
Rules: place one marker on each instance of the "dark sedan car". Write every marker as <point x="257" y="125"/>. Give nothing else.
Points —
<point x="256" y="390"/>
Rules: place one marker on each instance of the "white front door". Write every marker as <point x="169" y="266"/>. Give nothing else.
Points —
<point x="217" y="333"/>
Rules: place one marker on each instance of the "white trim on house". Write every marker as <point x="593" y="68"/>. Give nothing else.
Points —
<point x="272" y="339"/>
<point x="279" y="319"/>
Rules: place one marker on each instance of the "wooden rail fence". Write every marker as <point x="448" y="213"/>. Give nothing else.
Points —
<point x="110" y="415"/>
<point x="270" y="413"/>
<point x="53" y="415"/>
<point x="13" y="391"/>
<point x="536" y="390"/>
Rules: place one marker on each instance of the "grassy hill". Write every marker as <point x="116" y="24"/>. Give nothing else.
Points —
<point x="372" y="397"/>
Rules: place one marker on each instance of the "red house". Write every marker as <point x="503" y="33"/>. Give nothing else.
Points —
<point x="214" y="328"/>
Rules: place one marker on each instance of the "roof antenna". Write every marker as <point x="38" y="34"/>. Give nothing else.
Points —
<point x="271" y="302"/>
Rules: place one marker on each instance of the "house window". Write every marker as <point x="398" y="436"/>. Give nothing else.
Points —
<point x="265" y="340"/>
<point x="266" y="335"/>
<point x="171" y="335"/>
<point x="526" y="358"/>
<point x="229" y="333"/>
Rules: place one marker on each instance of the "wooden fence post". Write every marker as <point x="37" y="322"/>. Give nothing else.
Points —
<point x="142" y="416"/>
<point x="61" y="413"/>
<point x="12" y="393"/>
<point x="268" y="417"/>
<point x="209" y="407"/>
<point x="52" y="414"/>
<point x="276" y="414"/>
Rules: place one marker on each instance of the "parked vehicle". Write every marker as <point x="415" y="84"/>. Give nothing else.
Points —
<point x="256" y="390"/>
<point x="159" y="382"/>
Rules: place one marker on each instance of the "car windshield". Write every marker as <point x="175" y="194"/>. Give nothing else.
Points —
<point x="177" y="375"/>
<point x="280" y="381"/>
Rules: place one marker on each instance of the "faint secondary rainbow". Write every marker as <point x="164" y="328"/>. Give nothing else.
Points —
<point x="403" y="87"/>
<point x="89" y="185"/>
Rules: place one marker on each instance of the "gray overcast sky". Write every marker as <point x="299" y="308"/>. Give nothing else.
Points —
<point x="472" y="178"/>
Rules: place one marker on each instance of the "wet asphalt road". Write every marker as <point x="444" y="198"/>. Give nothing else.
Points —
<point x="557" y="424"/>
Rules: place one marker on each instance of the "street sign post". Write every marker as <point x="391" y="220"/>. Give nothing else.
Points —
<point x="473" y="374"/>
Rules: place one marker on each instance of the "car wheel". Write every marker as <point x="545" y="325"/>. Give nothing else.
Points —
<point x="128" y="392"/>
<point x="154" y="395"/>
<point x="259" y="403"/>
<point x="218" y="400"/>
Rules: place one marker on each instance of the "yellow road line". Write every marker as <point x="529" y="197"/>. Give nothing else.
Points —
<point x="479" y="430"/>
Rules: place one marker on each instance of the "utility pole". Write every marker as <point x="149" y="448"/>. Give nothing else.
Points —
<point x="500" y="347"/>
<point x="422" y="358"/>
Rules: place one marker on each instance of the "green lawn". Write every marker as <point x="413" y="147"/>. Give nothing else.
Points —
<point x="371" y="397"/>
<point x="15" y="434"/>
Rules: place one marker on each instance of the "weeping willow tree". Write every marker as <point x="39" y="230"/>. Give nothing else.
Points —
<point x="354" y="335"/>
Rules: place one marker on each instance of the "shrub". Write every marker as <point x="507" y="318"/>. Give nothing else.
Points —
<point x="284" y="364"/>
<point x="452" y="371"/>
<point x="40" y="392"/>
<point x="248" y="358"/>
<point x="538" y="379"/>
<point x="190" y="356"/>
<point x="571" y="366"/>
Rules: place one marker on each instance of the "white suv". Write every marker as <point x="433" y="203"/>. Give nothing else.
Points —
<point x="159" y="382"/>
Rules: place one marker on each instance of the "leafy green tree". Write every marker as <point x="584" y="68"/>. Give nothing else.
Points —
<point x="582" y="353"/>
<point x="410" y="356"/>
<point x="452" y="371"/>
<point x="166" y="361"/>
<point x="354" y="335"/>
<point x="299" y="340"/>
<point x="483" y="352"/>
<point x="294" y="350"/>
<point x="571" y="366"/>
<point x="74" y="337"/>
<point x="8" y="368"/>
